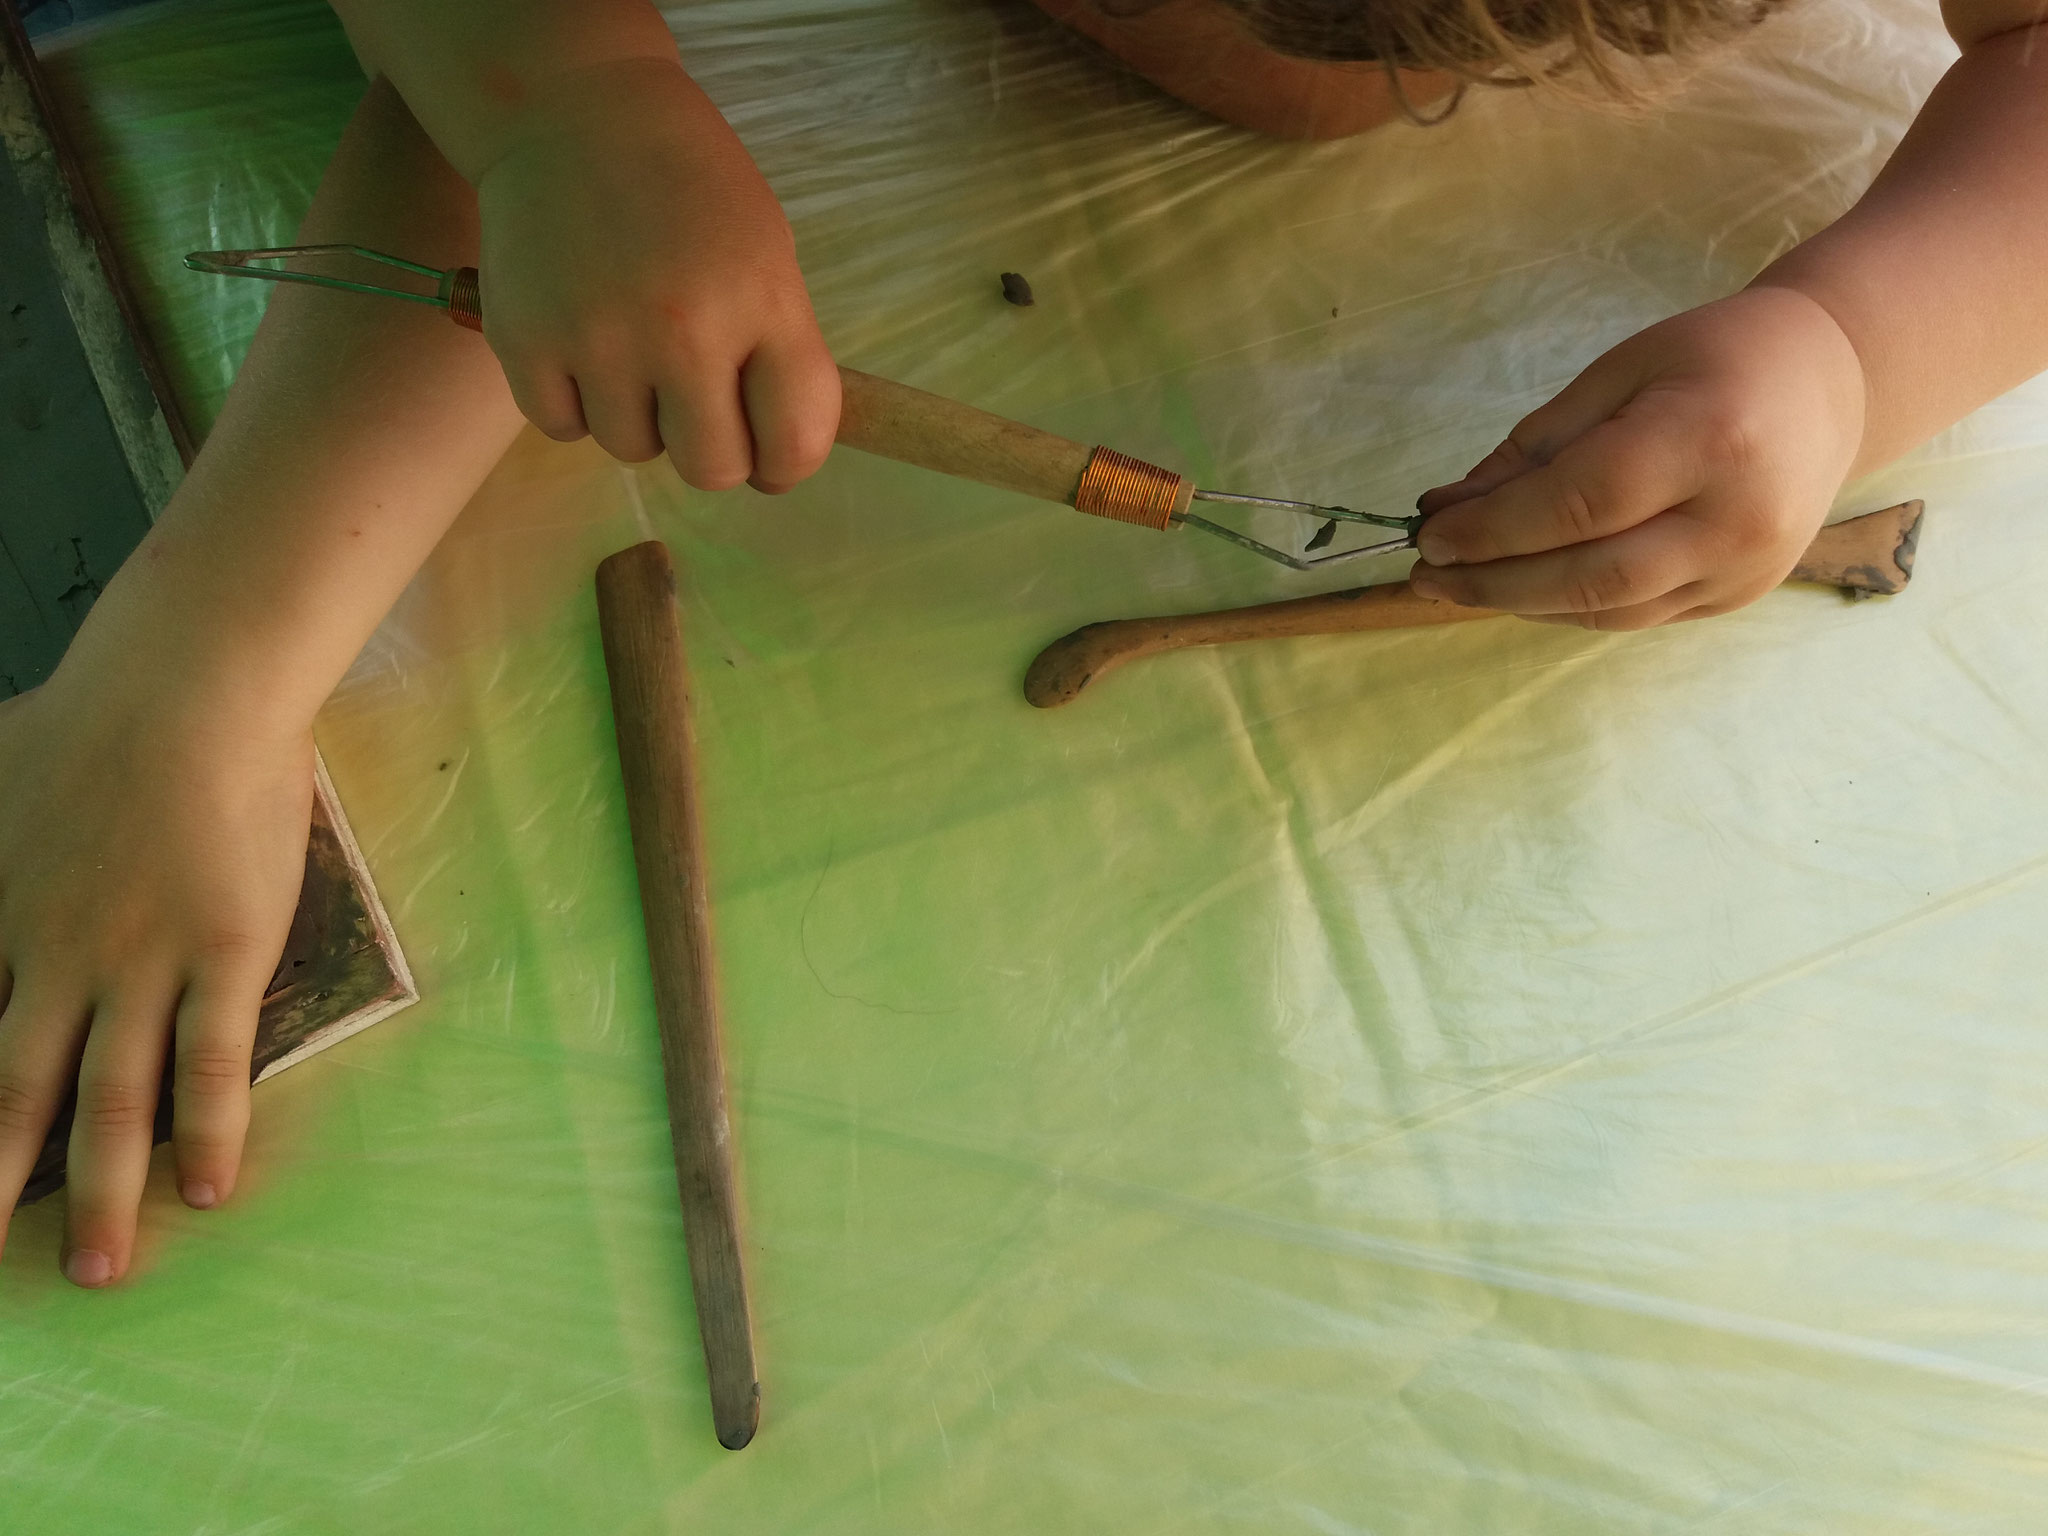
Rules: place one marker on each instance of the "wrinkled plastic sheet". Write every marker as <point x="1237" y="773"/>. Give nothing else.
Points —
<point x="1487" y="1080"/>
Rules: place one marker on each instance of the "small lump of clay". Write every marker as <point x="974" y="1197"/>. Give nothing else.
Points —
<point x="1016" y="290"/>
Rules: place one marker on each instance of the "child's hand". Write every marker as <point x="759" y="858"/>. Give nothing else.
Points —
<point x="1681" y="475"/>
<point x="640" y="282"/>
<point x="151" y="853"/>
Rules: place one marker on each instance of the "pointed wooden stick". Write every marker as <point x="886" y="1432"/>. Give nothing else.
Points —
<point x="1864" y="556"/>
<point x="643" y="655"/>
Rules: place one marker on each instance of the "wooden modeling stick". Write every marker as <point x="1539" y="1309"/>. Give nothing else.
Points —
<point x="643" y="655"/>
<point x="1864" y="556"/>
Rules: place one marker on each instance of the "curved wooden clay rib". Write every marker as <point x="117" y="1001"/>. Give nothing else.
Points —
<point x="1864" y="556"/>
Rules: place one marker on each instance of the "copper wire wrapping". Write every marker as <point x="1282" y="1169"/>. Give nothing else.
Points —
<point x="1130" y="490"/>
<point x="465" y="304"/>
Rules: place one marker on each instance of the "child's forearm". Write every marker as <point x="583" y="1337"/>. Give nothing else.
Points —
<point x="1934" y="276"/>
<point x="355" y="432"/>
<point x="472" y="70"/>
<point x="640" y="281"/>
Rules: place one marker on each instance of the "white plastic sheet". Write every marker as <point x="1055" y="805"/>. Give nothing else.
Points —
<point x="1488" y="1080"/>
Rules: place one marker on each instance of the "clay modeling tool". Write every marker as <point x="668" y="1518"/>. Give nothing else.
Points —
<point x="643" y="655"/>
<point x="1865" y="556"/>
<point x="895" y="421"/>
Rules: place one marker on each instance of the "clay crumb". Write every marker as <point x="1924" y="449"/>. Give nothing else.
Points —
<point x="1016" y="290"/>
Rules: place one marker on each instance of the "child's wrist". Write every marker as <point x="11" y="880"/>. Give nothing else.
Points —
<point x="155" y="648"/>
<point x="582" y="104"/>
<point x="182" y="690"/>
<point x="1845" y="355"/>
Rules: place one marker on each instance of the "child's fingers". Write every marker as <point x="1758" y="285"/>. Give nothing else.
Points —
<point x="705" y="431"/>
<point x="119" y="1076"/>
<point x="1591" y="398"/>
<point x="1671" y="608"/>
<point x="38" y="1040"/>
<point x="621" y="417"/>
<point x="549" y="399"/>
<point x="1618" y="474"/>
<point x="1638" y="565"/>
<point x="792" y="401"/>
<point x="210" y="1082"/>
<point x="1497" y="468"/>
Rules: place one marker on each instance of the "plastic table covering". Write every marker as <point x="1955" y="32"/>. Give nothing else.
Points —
<point x="1488" y="1080"/>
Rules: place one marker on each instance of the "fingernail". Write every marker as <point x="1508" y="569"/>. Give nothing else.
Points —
<point x="88" y="1268"/>
<point x="199" y="1196"/>
<point x="1423" y="586"/>
<point x="1436" y="549"/>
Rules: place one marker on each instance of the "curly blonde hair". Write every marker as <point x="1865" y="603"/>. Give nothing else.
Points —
<point x="1585" y="47"/>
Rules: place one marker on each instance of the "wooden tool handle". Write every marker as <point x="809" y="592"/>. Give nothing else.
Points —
<point x="912" y="426"/>
<point x="898" y="422"/>
<point x="1863" y="556"/>
<point x="643" y="655"/>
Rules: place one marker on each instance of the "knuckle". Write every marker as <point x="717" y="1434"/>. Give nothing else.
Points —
<point x="1573" y="506"/>
<point x="713" y="462"/>
<point x="1448" y="537"/>
<point x="227" y="947"/>
<point x="629" y="448"/>
<point x="551" y="414"/>
<point x="811" y="442"/>
<point x="1531" y="431"/>
<point x="22" y="1110"/>
<point x="682" y="350"/>
<point x="681" y="336"/>
<point x="1503" y="462"/>
<point x="1609" y="584"/>
<point x="601" y="342"/>
<point x="792" y="326"/>
<point x="212" y="1071"/>
<point x="1521" y="449"/>
<point x="1752" y="528"/>
<point x="1730" y="441"/>
<point x="556" y="424"/>
<point x="719" y="477"/>
<point x="108" y="1107"/>
<point x="796" y="457"/>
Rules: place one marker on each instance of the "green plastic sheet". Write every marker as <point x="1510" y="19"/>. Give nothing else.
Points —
<point x="1491" y="1080"/>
